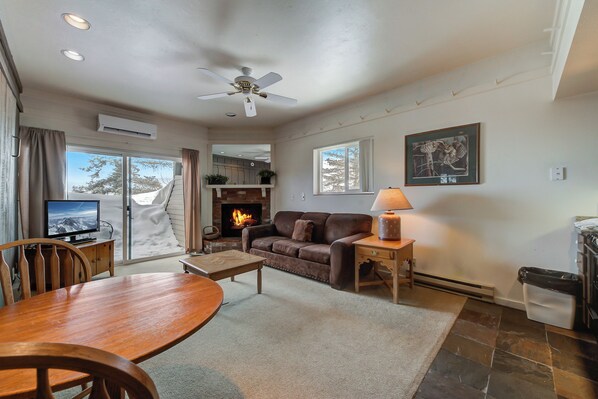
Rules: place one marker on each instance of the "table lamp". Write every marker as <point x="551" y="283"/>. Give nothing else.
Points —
<point x="389" y="224"/>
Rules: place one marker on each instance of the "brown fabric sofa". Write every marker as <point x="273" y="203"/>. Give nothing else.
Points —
<point x="329" y="257"/>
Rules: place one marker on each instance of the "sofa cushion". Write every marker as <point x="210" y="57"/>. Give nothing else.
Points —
<point x="289" y="247"/>
<point x="319" y="219"/>
<point x="319" y="253"/>
<point x="285" y="222"/>
<point x="265" y="243"/>
<point x="340" y="225"/>
<point x="303" y="230"/>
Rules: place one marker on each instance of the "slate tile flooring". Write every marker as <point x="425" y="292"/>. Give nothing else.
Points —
<point x="494" y="352"/>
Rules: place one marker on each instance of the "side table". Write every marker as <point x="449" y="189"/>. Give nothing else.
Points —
<point x="391" y="255"/>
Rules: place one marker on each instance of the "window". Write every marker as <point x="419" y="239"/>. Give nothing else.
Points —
<point x="343" y="168"/>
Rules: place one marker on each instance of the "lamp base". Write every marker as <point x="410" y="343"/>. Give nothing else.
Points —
<point x="389" y="226"/>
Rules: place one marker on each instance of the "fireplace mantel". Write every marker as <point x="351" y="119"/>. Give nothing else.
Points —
<point x="219" y="187"/>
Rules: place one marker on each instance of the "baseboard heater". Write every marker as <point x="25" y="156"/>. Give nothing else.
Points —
<point x="470" y="289"/>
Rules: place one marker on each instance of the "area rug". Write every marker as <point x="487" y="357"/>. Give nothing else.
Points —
<point x="302" y="339"/>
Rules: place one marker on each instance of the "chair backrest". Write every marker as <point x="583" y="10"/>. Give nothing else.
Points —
<point x="109" y="372"/>
<point x="64" y="259"/>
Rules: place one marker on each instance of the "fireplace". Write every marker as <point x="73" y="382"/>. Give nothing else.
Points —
<point x="235" y="217"/>
<point x="257" y="199"/>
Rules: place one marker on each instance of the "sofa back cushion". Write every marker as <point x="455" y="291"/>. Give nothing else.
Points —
<point x="303" y="230"/>
<point x="319" y="219"/>
<point x="285" y="222"/>
<point x="339" y="225"/>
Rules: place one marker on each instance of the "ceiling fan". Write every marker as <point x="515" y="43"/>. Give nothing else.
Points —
<point x="248" y="87"/>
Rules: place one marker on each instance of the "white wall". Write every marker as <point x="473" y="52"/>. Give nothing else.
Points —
<point x="78" y="119"/>
<point x="515" y="217"/>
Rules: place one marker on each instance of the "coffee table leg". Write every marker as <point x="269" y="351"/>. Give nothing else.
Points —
<point x="232" y="278"/>
<point x="259" y="280"/>
<point x="185" y="269"/>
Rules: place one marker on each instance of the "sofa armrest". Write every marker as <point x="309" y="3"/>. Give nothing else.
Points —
<point x="251" y="233"/>
<point x="342" y="260"/>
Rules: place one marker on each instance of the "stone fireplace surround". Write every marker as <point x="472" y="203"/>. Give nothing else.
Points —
<point x="235" y="195"/>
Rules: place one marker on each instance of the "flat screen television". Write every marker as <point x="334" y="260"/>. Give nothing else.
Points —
<point x="70" y="218"/>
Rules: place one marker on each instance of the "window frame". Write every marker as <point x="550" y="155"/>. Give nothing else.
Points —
<point x="318" y="166"/>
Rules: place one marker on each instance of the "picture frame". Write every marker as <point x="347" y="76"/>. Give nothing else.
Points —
<point x="449" y="156"/>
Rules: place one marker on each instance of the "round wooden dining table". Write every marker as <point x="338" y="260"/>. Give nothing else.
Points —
<point x="135" y="316"/>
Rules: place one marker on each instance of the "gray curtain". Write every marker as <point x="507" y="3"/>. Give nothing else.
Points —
<point x="365" y="165"/>
<point x="42" y="175"/>
<point x="191" y="200"/>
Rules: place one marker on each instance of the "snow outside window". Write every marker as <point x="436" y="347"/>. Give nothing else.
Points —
<point x="343" y="168"/>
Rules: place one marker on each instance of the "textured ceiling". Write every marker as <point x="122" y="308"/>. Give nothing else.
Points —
<point x="143" y="54"/>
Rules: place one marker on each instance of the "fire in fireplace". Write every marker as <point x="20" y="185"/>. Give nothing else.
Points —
<point x="240" y="220"/>
<point x="235" y="217"/>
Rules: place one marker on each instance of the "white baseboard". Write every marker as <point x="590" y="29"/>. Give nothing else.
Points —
<point x="509" y="303"/>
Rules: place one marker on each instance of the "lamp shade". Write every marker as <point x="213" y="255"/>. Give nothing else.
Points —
<point x="389" y="199"/>
<point x="389" y="224"/>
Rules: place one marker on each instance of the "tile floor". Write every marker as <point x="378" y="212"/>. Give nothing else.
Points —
<point x="494" y="352"/>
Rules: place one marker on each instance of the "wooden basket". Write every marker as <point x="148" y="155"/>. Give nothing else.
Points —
<point x="214" y="234"/>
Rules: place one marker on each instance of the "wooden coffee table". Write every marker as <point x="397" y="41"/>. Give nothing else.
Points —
<point x="225" y="264"/>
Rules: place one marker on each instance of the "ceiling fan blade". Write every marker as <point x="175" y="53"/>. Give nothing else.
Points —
<point x="214" y="75"/>
<point x="249" y="107"/>
<point x="267" y="80"/>
<point x="279" y="99"/>
<point x="216" y="95"/>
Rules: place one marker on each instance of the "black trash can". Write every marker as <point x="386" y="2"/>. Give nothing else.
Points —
<point x="550" y="295"/>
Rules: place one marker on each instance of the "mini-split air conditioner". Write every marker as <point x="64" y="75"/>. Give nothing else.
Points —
<point x="126" y="127"/>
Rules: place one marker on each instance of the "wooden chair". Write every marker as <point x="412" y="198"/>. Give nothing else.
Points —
<point x="110" y="372"/>
<point x="75" y="266"/>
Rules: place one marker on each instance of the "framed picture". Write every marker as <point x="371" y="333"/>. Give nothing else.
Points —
<point x="443" y="157"/>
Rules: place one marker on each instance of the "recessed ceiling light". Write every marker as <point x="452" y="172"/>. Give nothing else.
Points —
<point x="222" y="152"/>
<point x="230" y="114"/>
<point x="73" y="55"/>
<point x="76" y="21"/>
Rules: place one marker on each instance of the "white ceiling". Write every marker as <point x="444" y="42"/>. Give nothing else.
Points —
<point x="143" y="54"/>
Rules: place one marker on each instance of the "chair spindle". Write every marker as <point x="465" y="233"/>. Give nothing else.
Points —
<point x="40" y="270"/>
<point x="24" y="273"/>
<point x="55" y="268"/>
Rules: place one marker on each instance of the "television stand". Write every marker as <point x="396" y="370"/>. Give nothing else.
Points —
<point x="100" y="254"/>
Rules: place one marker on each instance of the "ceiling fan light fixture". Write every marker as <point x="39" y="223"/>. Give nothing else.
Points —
<point x="73" y="55"/>
<point x="250" y="110"/>
<point x="248" y="87"/>
<point x="76" y="21"/>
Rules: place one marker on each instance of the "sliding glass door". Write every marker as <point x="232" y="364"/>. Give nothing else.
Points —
<point x="140" y="200"/>
<point x="153" y="209"/>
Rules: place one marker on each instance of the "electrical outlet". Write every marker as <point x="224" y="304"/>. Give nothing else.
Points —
<point x="557" y="173"/>
<point x="302" y="196"/>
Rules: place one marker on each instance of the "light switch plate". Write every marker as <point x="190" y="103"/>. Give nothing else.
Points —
<point x="557" y="173"/>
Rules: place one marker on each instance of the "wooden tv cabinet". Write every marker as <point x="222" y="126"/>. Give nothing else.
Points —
<point x="100" y="254"/>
